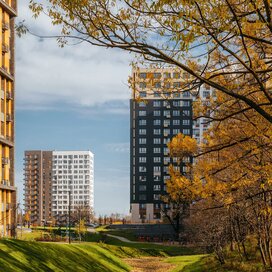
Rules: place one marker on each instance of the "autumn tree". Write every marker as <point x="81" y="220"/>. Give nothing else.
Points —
<point x="225" y="44"/>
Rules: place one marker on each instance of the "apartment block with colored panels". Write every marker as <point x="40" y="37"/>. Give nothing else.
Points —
<point x="7" y="188"/>
<point x="37" y="191"/>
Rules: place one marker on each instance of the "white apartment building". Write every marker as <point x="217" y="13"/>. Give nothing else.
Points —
<point x="72" y="181"/>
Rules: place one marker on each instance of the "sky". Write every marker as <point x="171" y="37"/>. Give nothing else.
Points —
<point x="74" y="98"/>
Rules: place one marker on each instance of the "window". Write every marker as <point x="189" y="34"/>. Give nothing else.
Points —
<point x="177" y="103"/>
<point x="177" y="95"/>
<point x="176" y="75"/>
<point x="156" y="140"/>
<point x="156" y="197"/>
<point x="186" y="131"/>
<point x="142" y="197"/>
<point x="156" y="103"/>
<point x="176" y="131"/>
<point x="157" y="187"/>
<point x="156" y="94"/>
<point x="157" y="159"/>
<point x="157" y="85"/>
<point x="186" y="94"/>
<point x="142" y="140"/>
<point x="142" y="188"/>
<point x="142" y="113"/>
<point x="166" y="113"/>
<point x="176" y="122"/>
<point x="142" y="122"/>
<point x="196" y="132"/>
<point x="142" y="94"/>
<point x="167" y="85"/>
<point x="156" y="150"/>
<point x="166" y="160"/>
<point x="186" y="112"/>
<point x="157" y="177"/>
<point x="157" y="131"/>
<point x="157" y="122"/>
<point x="142" y="104"/>
<point x="142" y="159"/>
<point x="142" y="85"/>
<point x="157" y="113"/>
<point x="157" y="75"/>
<point x="166" y="132"/>
<point x="186" y="122"/>
<point x="206" y="94"/>
<point x="142" y="169"/>
<point x="167" y="75"/>
<point x="156" y="169"/>
<point x="176" y="113"/>
<point x="142" y="131"/>
<point x="142" y="75"/>
<point x="166" y="123"/>
<point x="186" y="103"/>
<point x="142" y="150"/>
<point x="142" y="178"/>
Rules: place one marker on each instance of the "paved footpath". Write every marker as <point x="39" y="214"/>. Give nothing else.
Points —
<point x="123" y="239"/>
<point x="149" y="264"/>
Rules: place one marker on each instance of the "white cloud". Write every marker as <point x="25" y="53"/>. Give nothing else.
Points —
<point x="80" y="75"/>
<point x="118" y="147"/>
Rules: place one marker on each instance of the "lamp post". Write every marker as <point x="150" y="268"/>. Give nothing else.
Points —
<point x="69" y="214"/>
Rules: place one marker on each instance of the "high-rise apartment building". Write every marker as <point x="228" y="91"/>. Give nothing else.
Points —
<point x="73" y="181"/>
<point x="55" y="180"/>
<point x="163" y="112"/>
<point x="7" y="189"/>
<point x="38" y="180"/>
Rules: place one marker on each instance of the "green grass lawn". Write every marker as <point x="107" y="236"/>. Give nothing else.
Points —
<point x="182" y="262"/>
<point x="16" y="255"/>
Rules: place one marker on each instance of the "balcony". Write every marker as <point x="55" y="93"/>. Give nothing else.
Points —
<point x="5" y="160"/>
<point x="9" y="96"/>
<point x="5" y="48"/>
<point x="9" y="118"/>
<point x="6" y="182"/>
<point x="5" y="26"/>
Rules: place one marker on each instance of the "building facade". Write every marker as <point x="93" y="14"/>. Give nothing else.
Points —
<point x="159" y="110"/>
<point x="38" y="181"/>
<point x="7" y="187"/>
<point x="55" y="180"/>
<point x="73" y="182"/>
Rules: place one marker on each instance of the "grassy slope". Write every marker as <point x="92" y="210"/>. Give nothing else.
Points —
<point x="24" y="256"/>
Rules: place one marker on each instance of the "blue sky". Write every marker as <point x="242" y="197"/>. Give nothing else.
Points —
<point x="74" y="98"/>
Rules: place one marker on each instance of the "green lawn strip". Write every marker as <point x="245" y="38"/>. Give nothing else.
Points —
<point x="182" y="262"/>
<point x="209" y="263"/>
<point x="24" y="256"/>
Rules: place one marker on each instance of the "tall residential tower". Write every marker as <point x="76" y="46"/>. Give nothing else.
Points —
<point x="159" y="110"/>
<point x="154" y="121"/>
<point x="7" y="189"/>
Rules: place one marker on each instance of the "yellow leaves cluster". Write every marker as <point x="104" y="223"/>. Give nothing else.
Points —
<point x="182" y="145"/>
